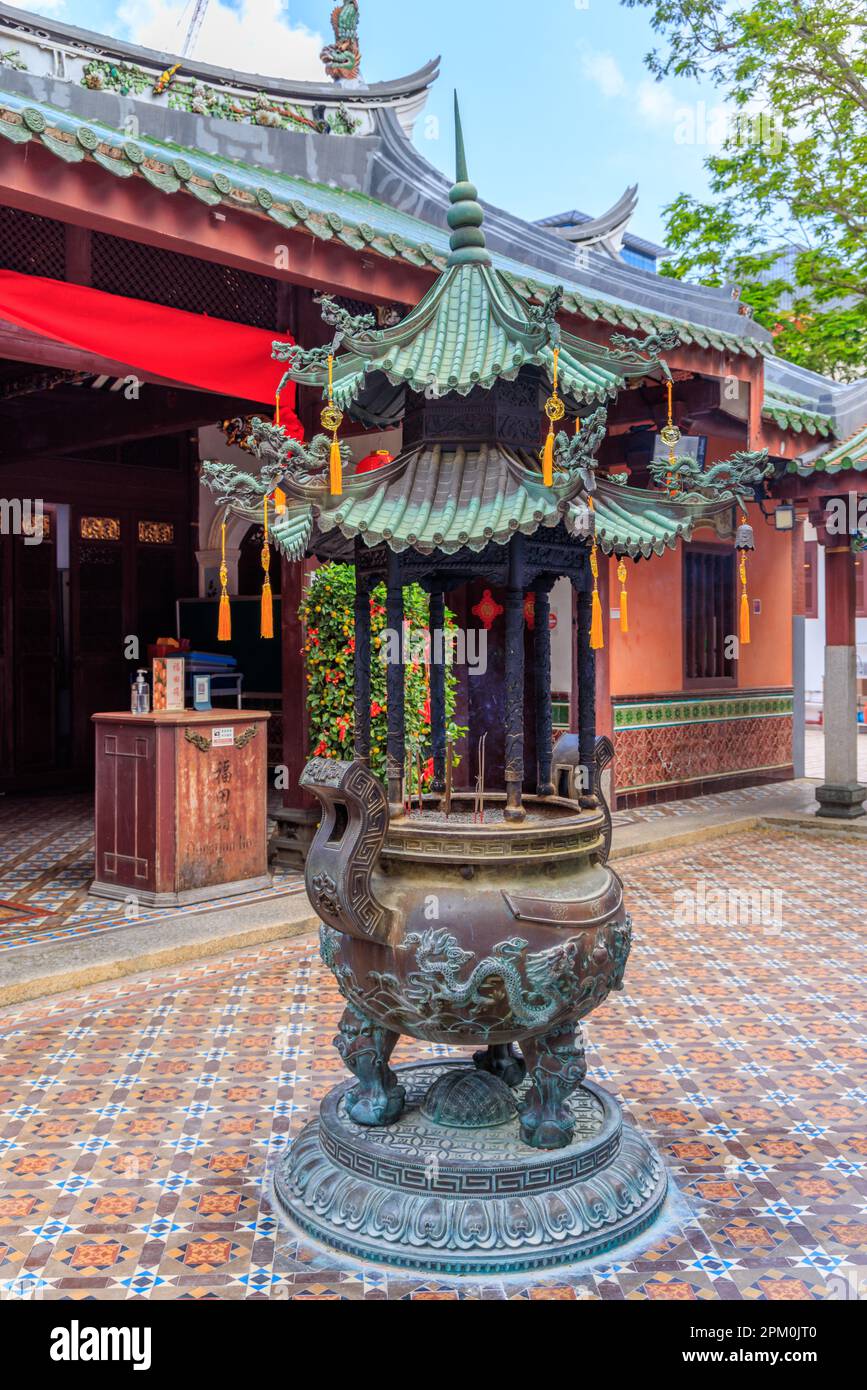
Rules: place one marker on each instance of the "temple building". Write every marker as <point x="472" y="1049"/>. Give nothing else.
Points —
<point x="163" y="221"/>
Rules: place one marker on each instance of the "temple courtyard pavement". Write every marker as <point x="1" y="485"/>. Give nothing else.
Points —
<point x="141" y="1116"/>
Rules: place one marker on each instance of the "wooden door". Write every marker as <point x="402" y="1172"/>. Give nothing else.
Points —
<point x="126" y="578"/>
<point x="100" y="606"/>
<point x="35" y="651"/>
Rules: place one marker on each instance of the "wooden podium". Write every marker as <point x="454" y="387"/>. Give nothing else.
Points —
<point x="181" y="805"/>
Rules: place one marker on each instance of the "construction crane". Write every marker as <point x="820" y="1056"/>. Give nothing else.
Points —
<point x="195" y="25"/>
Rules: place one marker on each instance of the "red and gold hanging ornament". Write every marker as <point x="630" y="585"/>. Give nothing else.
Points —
<point x="555" y="410"/>
<point x="670" y="436"/>
<point x="332" y="419"/>
<point x="487" y="610"/>
<point x="624" y="600"/>
<point x="224" y="622"/>
<point x="266" y="626"/>
<point x="744" y="542"/>
<point x="597" y="636"/>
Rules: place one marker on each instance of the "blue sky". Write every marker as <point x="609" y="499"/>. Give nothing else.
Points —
<point x="559" y="109"/>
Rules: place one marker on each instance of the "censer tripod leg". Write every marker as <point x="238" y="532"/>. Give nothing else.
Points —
<point x="557" y="1066"/>
<point x="365" y="1048"/>
<point x="502" y="1060"/>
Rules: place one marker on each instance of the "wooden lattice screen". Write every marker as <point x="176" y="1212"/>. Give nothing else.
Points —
<point x="34" y="245"/>
<point x="31" y="245"/>
<point x="182" y="282"/>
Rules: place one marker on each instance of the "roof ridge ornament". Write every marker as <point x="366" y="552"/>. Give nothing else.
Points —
<point x="466" y="215"/>
<point x="342" y="58"/>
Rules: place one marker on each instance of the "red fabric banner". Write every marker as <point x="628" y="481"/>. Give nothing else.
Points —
<point x="194" y="350"/>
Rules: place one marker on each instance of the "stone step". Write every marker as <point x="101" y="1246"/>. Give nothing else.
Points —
<point x="33" y="971"/>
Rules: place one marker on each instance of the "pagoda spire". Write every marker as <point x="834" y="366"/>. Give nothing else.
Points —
<point x="465" y="216"/>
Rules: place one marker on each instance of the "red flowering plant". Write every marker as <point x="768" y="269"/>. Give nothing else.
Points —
<point x="327" y="612"/>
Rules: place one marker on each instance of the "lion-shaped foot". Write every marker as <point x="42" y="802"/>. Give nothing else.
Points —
<point x="365" y="1048"/>
<point x="557" y="1067"/>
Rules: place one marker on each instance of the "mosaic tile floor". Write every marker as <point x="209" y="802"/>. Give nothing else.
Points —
<point x="756" y="800"/>
<point x="46" y="866"/>
<point x="140" y="1119"/>
<point x="814" y="754"/>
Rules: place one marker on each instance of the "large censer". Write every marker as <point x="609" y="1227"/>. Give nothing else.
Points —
<point x="496" y="932"/>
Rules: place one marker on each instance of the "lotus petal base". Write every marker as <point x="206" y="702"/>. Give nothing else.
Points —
<point x="422" y="1195"/>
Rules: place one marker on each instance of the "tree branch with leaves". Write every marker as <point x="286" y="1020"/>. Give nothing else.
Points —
<point x="787" y="215"/>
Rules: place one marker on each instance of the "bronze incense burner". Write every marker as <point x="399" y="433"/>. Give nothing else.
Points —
<point x="473" y="935"/>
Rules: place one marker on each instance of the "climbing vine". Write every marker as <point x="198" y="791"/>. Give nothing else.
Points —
<point x="327" y="612"/>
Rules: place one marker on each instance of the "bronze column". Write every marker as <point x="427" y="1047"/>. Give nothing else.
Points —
<point x="542" y="673"/>
<point x="514" y="711"/>
<point x="586" y="699"/>
<point x="395" y="690"/>
<point x="362" y="667"/>
<point x="437" y="668"/>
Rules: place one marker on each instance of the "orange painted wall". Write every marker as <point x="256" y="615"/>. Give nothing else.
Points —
<point x="648" y="660"/>
<point x="767" y="661"/>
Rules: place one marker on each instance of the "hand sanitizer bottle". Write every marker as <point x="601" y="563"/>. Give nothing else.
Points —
<point x="140" y="701"/>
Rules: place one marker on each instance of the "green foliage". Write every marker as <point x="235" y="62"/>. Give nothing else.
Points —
<point x="327" y="612"/>
<point x="791" y="175"/>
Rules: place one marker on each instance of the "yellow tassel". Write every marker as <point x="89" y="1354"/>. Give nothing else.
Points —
<point x="224" y="620"/>
<point x="548" y="459"/>
<point x="224" y="626"/>
<point x="745" y="607"/>
<point x="266" y="624"/>
<point x="277" y="408"/>
<point x="335" y="469"/>
<point x="597" y="637"/>
<point x="624" y="602"/>
<point x="597" y="640"/>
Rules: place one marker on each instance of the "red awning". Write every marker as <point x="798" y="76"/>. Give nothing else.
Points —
<point x="203" y="353"/>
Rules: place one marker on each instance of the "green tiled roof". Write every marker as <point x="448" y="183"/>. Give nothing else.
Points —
<point x="433" y="498"/>
<point x="328" y="213"/>
<point x="850" y="454"/>
<point x="794" y="412"/>
<point x="470" y="329"/>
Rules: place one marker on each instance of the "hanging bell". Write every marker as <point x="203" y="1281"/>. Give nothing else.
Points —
<point x="744" y="537"/>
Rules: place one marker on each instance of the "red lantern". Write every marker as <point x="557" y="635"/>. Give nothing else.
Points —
<point x="378" y="459"/>
<point x="530" y="610"/>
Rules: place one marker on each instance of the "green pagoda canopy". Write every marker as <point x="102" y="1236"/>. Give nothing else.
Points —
<point x="470" y="333"/>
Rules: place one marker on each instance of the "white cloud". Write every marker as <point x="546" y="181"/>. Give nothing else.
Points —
<point x="257" y="37"/>
<point x="604" y="71"/>
<point x="656" y="103"/>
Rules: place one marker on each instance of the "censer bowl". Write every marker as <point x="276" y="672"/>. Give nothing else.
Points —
<point x="473" y="934"/>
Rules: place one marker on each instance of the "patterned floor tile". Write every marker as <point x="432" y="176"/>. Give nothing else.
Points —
<point x="139" y="1121"/>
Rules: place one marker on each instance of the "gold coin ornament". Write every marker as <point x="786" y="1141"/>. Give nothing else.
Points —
<point x="331" y="418"/>
<point x="554" y="409"/>
<point x="670" y="435"/>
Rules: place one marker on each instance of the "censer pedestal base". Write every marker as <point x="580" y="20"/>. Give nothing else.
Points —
<point x="428" y="1195"/>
